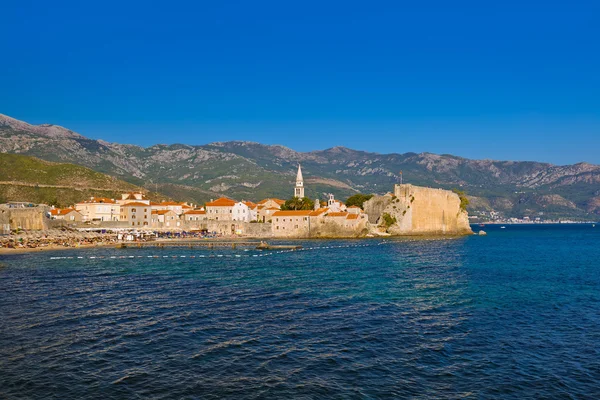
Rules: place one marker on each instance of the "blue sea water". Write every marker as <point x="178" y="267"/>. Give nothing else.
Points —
<point x="515" y="314"/>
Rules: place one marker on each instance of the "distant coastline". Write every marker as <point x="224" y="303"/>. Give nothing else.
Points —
<point x="536" y="223"/>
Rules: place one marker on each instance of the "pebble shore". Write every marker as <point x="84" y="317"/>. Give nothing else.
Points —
<point x="54" y="239"/>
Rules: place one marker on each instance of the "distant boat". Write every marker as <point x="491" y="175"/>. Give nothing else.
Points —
<point x="502" y="227"/>
<point x="593" y="225"/>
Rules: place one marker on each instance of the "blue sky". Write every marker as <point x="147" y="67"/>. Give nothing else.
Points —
<point x="514" y="80"/>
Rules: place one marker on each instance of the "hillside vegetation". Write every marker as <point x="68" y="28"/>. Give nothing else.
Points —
<point x="252" y="171"/>
<point x="24" y="178"/>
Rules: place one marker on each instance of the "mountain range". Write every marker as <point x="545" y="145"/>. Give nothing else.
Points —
<point x="252" y="171"/>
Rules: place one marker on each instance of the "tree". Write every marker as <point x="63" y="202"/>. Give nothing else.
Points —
<point x="358" y="199"/>
<point x="464" y="201"/>
<point x="387" y="220"/>
<point x="296" y="203"/>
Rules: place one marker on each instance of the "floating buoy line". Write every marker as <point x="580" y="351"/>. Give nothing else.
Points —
<point x="255" y="255"/>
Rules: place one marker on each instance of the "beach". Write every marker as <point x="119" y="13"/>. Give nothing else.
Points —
<point x="56" y="239"/>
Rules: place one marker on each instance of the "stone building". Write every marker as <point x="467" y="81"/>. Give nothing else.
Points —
<point x="292" y="223"/>
<point x="165" y="219"/>
<point x="318" y="223"/>
<point x="176" y="207"/>
<point x="220" y="209"/>
<point x="66" y="214"/>
<point x="99" y="209"/>
<point x="136" y="214"/>
<point x="265" y="209"/>
<point x="194" y="215"/>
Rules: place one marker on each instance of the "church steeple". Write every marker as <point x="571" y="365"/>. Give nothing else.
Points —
<point x="299" y="189"/>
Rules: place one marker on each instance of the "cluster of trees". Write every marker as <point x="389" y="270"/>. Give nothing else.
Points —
<point x="358" y="200"/>
<point x="304" y="203"/>
<point x="297" y="203"/>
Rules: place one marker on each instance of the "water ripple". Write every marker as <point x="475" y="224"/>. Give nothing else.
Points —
<point x="473" y="318"/>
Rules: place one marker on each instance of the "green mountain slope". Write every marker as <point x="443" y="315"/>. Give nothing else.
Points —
<point x="24" y="178"/>
<point x="246" y="170"/>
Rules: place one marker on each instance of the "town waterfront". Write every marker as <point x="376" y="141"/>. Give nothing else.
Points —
<point x="514" y="314"/>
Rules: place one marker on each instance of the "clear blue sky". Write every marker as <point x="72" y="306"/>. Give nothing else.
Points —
<point x="516" y="80"/>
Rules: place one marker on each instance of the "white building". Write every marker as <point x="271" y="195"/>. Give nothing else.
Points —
<point x="244" y="211"/>
<point x="241" y="212"/>
<point x="335" y="205"/>
<point x="99" y="209"/>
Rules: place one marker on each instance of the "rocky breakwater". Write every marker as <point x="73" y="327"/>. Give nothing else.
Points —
<point x="416" y="210"/>
<point x="55" y="239"/>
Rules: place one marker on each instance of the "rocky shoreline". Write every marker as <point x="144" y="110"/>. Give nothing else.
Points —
<point x="53" y="240"/>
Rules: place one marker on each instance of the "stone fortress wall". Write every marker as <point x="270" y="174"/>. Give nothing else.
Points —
<point x="29" y="218"/>
<point x="420" y="211"/>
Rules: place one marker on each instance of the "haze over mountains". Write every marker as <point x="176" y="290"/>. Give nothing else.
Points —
<point x="247" y="170"/>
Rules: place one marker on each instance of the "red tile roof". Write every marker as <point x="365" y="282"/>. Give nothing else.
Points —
<point x="318" y="212"/>
<point x="337" y="214"/>
<point x="221" y="202"/>
<point x="195" y="212"/>
<point x="352" y="216"/>
<point x="292" y="213"/>
<point x="278" y="201"/>
<point x="61" y="211"/>
<point x="135" y="204"/>
<point x="162" y="212"/>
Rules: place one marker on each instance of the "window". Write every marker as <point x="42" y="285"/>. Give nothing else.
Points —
<point x="145" y="210"/>
<point x="133" y="210"/>
<point x="133" y="217"/>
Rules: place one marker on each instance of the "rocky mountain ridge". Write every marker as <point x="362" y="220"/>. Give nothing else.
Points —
<point x="250" y="170"/>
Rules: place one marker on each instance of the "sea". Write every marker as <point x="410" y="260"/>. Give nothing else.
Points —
<point x="514" y="314"/>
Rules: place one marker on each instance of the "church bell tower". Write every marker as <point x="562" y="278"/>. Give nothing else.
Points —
<point x="299" y="189"/>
